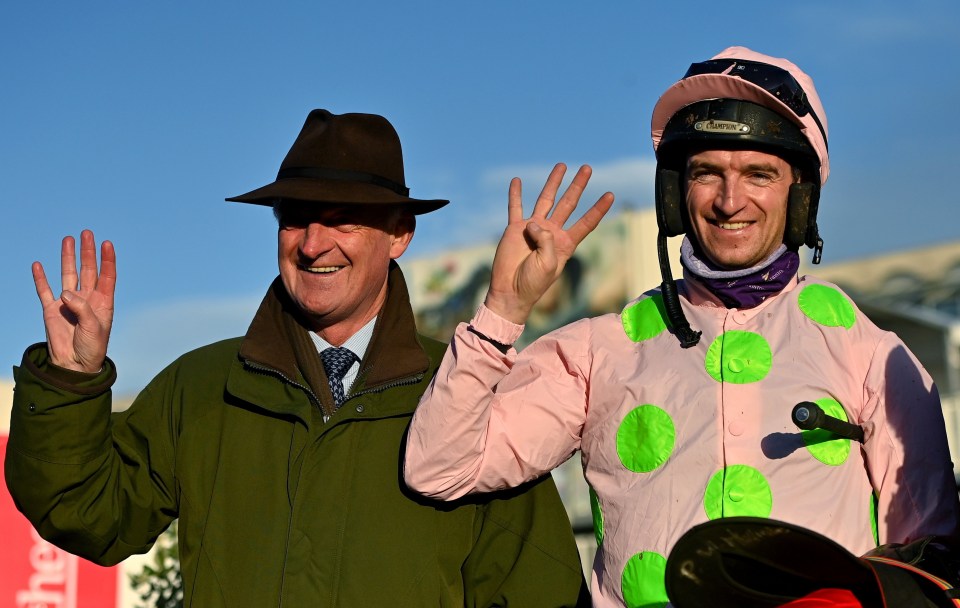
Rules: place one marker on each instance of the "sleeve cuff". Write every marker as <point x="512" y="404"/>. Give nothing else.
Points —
<point x="494" y="327"/>
<point x="36" y="359"/>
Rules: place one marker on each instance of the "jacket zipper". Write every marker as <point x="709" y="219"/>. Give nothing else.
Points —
<point x="383" y="387"/>
<point x="274" y="372"/>
<point x="263" y="369"/>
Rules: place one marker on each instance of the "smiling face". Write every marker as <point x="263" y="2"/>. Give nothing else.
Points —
<point x="334" y="261"/>
<point x="737" y="200"/>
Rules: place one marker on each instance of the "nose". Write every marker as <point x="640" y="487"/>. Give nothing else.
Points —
<point x="730" y="198"/>
<point x="316" y="240"/>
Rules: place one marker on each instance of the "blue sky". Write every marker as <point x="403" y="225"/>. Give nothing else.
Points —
<point x="136" y="120"/>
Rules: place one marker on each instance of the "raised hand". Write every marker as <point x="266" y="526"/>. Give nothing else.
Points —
<point x="532" y="253"/>
<point x="78" y="322"/>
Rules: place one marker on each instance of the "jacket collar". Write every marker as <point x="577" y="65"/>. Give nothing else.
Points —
<point x="394" y="354"/>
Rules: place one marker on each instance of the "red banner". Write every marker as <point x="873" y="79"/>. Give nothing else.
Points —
<point x="35" y="574"/>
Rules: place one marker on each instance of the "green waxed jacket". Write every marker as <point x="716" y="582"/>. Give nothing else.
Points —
<point x="276" y="507"/>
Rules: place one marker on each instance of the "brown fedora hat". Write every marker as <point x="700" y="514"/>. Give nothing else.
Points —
<point x="343" y="158"/>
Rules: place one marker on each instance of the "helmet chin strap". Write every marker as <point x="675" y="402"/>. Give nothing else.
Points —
<point x="671" y="301"/>
<point x="671" y="219"/>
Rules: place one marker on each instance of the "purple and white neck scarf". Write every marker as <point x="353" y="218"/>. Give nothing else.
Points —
<point x="746" y="287"/>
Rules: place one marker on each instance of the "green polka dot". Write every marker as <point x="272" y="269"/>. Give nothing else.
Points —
<point x="645" y="319"/>
<point x="645" y="438"/>
<point x="824" y="445"/>
<point x="738" y="357"/>
<point x="827" y="306"/>
<point x="642" y="581"/>
<point x="737" y="490"/>
<point x="597" y="516"/>
<point x="875" y="518"/>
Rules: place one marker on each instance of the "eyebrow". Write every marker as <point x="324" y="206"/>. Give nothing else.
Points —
<point x="765" y="167"/>
<point x="701" y="164"/>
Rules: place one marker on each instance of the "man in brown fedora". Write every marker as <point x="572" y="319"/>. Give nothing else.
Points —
<point x="279" y="451"/>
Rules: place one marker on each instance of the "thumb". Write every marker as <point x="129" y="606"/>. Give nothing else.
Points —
<point x="543" y="243"/>
<point x="72" y="301"/>
<point x="540" y="238"/>
<point x="79" y="308"/>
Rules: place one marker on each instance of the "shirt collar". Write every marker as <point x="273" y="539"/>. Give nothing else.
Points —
<point x="357" y="343"/>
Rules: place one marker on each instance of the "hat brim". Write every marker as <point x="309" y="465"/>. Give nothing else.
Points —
<point x="754" y="562"/>
<point x="335" y="192"/>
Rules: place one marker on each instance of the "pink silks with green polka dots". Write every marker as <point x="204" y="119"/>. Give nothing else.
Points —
<point x="673" y="437"/>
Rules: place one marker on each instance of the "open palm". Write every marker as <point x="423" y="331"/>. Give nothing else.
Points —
<point x="532" y="252"/>
<point x="78" y="323"/>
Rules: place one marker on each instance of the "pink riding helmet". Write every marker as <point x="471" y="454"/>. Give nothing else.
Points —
<point x="706" y="86"/>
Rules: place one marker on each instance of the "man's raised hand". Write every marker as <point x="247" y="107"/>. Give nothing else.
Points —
<point x="78" y="322"/>
<point x="532" y="252"/>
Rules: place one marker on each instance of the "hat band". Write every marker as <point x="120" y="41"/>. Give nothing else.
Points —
<point x="344" y="176"/>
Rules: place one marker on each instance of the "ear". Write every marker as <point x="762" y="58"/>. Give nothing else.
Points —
<point x="402" y="234"/>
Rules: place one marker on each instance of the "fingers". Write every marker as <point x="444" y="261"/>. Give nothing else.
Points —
<point x="559" y="211"/>
<point x="78" y="323"/>
<point x="88" y="261"/>
<point x="565" y="206"/>
<point x="88" y="277"/>
<point x="549" y="193"/>
<point x="68" y="264"/>
<point x="591" y="219"/>
<point x="40" y="282"/>
<point x="515" y="202"/>
<point x="571" y="196"/>
<point x="107" y="281"/>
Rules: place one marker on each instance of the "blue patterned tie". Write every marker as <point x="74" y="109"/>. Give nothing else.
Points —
<point x="336" y="362"/>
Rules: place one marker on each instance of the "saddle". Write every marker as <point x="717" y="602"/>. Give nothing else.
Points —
<point x="751" y="562"/>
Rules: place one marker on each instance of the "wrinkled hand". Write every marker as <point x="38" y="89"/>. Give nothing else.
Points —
<point x="78" y="322"/>
<point x="532" y="253"/>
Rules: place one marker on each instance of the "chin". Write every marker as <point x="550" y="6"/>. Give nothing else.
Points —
<point x="734" y="263"/>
